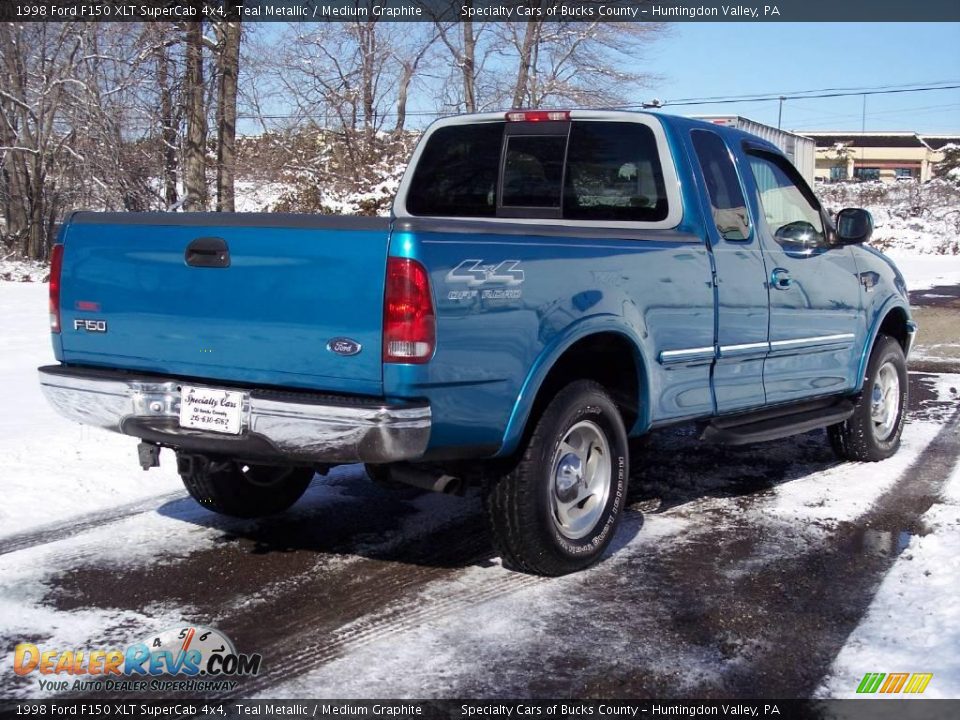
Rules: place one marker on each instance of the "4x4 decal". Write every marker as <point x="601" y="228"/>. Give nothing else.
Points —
<point x="474" y="273"/>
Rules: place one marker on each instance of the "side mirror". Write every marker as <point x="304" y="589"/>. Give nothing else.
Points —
<point x="854" y="226"/>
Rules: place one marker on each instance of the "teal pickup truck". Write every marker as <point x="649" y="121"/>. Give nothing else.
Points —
<point x="550" y="284"/>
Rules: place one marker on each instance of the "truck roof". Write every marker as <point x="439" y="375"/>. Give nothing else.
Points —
<point x="676" y="121"/>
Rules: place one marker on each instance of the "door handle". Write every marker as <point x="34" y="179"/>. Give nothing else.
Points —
<point x="780" y="279"/>
<point x="210" y="252"/>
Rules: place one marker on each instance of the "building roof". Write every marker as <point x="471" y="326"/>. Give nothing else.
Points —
<point x="896" y="139"/>
<point x="938" y="141"/>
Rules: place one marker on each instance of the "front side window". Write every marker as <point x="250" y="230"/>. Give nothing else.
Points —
<point x="723" y="185"/>
<point x="788" y="205"/>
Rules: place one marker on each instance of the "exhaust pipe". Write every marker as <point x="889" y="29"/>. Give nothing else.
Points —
<point x="443" y="483"/>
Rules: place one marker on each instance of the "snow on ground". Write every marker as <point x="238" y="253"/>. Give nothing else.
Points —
<point x="926" y="271"/>
<point x="259" y="196"/>
<point x="439" y="641"/>
<point x="54" y="468"/>
<point x="17" y="270"/>
<point x="913" y="624"/>
<point x="916" y="217"/>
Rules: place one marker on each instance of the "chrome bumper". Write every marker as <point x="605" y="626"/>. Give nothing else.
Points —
<point x="289" y="426"/>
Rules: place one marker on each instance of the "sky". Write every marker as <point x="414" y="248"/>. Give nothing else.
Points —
<point x="722" y="59"/>
<point x="697" y="60"/>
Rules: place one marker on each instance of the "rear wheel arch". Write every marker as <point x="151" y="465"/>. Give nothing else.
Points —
<point x="610" y="358"/>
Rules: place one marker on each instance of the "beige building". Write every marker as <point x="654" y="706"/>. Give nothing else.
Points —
<point x="885" y="156"/>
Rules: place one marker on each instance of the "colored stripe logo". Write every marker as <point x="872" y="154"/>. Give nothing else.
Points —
<point x="884" y="683"/>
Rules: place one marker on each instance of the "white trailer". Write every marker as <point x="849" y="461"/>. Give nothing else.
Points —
<point x="801" y="150"/>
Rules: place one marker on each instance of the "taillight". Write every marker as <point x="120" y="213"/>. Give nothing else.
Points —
<point x="537" y="115"/>
<point x="56" y="263"/>
<point x="409" y="322"/>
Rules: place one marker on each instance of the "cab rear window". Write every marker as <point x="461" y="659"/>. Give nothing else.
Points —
<point x="457" y="172"/>
<point x="590" y="171"/>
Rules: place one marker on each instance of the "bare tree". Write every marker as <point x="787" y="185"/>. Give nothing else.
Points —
<point x="582" y="63"/>
<point x="228" y="61"/>
<point x="194" y="151"/>
<point x="42" y="63"/>
<point x="461" y="40"/>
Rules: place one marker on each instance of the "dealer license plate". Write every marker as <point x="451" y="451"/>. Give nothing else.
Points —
<point x="214" y="410"/>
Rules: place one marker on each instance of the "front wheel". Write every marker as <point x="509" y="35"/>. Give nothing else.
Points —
<point x="557" y="510"/>
<point x="240" y="490"/>
<point x="873" y="432"/>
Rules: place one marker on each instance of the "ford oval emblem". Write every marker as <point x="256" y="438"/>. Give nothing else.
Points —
<point x="344" y="346"/>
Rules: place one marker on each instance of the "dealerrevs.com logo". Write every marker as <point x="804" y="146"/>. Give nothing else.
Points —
<point x="205" y="657"/>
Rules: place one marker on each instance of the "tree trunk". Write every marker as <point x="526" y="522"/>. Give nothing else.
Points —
<point x="16" y="174"/>
<point x="36" y="239"/>
<point x="168" y="127"/>
<point x="229" y="62"/>
<point x="403" y="90"/>
<point x="195" y="180"/>
<point x="521" y="91"/>
<point x="469" y="65"/>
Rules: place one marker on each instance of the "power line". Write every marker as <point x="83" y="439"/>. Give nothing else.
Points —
<point x="683" y="102"/>
<point x="751" y="98"/>
<point x="856" y="90"/>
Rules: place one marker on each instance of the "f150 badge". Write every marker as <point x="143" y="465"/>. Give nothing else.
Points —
<point x="474" y="273"/>
<point x="93" y="326"/>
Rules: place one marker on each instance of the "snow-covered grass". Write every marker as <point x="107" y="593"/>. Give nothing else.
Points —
<point x="254" y="196"/>
<point x="921" y="218"/>
<point x="54" y="469"/>
<point x="19" y="270"/>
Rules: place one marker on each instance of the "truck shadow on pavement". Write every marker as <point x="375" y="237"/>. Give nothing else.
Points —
<point x="345" y="514"/>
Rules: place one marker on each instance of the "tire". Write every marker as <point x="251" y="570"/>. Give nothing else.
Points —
<point x="557" y="510"/>
<point x="873" y="432"/>
<point x="239" y="490"/>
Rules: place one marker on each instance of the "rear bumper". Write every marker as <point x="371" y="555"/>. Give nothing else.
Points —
<point x="277" y="425"/>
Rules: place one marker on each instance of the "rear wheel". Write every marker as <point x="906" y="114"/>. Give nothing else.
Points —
<point x="557" y="510"/>
<point x="873" y="432"/>
<point x="240" y="490"/>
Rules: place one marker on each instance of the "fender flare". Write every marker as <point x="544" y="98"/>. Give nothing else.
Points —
<point x="547" y="359"/>
<point x="892" y="303"/>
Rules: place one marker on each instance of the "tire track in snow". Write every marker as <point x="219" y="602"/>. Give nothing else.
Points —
<point x="82" y="523"/>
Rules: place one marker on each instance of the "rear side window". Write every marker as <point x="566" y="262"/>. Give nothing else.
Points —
<point x="457" y="172"/>
<point x="582" y="170"/>
<point x="723" y="185"/>
<point x="614" y="173"/>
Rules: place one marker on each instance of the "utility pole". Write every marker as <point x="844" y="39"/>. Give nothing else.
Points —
<point x="780" y="114"/>
<point x="863" y="126"/>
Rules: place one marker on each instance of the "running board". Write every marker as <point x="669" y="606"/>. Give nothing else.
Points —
<point x="776" y="423"/>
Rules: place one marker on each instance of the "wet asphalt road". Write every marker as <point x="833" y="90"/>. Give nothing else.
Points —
<point x="739" y="608"/>
<point x="937" y="311"/>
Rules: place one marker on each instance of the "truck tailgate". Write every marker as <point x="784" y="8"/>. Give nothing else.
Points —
<point x="290" y="285"/>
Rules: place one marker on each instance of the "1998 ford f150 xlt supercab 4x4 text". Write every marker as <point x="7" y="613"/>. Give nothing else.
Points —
<point x="550" y="284"/>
